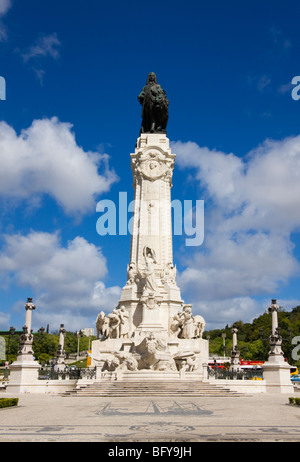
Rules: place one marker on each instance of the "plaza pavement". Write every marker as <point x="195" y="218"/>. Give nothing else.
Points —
<point x="50" y="418"/>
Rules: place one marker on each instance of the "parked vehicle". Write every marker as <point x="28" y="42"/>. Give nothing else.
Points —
<point x="295" y="378"/>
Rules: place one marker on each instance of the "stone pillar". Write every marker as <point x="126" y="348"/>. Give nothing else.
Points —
<point x="235" y="354"/>
<point x="24" y="371"/>
<point x="26" y="352"/>
<point x="151" y="294"/>
<point x="275" y="340"/>
<point x="60" y="354"/>
<point x="276" y="370"/>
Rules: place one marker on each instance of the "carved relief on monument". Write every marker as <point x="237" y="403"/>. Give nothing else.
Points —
<point x="186" y="361"/>
<point x="115" y="325"/>
<point x="152" y="164"/>
<point x="154" y="355"/>
<point x="168" y="274"/>
<point x="131" y="274"/>
<point x="119" y="361"/>
<point x="186" y="326"/>
<point x="148" y="272"/>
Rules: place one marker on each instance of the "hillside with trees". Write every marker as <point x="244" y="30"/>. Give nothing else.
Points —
<point x="253" y="337"/>
<point x="45" y="345"/>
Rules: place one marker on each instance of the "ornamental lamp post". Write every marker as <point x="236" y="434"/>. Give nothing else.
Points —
<point x="208" y="339"/>
<point x="224" y="343"/>
<point x="235" y="354"/>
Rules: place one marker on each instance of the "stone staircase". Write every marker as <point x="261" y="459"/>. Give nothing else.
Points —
<point x="151" y="389"/>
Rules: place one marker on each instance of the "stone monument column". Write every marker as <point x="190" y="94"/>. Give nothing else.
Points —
<point x="275" y="340"/>
<point x="235" y="354"/>
<point x="24" y="371"/>
<point x="26" y="341"/>
<point x="276" y="370"/>
<point x="162" y="335"/>
<point x="60" y="354"/>
<point x="152" y="292"/>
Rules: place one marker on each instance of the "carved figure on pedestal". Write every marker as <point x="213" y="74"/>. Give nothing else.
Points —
<point x="188" y="330"/>
<point x="154" y="355"/>
<point x="191" y="364"/>
<point x="149" y="273"/>
<point x="185" y="325"/>
<point x="111" y="364"/>
<point x="155" y="106"/>
<point x="169" y="274"/>
<point x="102" y="325"/>
<point x="131" y="274"/>
<point x="127" y="361"/>
<point x="176" y="325"/>
<point x="131" y="364"/>
<point x="124" y="319"/>
<point x="199" y="326"/>
<point x="114" y="324"/>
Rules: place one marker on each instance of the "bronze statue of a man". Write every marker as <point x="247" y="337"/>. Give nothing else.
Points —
<point x="155" y="107"/>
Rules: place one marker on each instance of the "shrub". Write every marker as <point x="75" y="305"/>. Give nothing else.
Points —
<point x="292" y="400"/>
<point x="8" y="402"/>
<point x="297" y="401"/>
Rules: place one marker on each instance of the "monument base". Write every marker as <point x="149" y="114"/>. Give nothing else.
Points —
<point x="22" y="375"/>
<point x="277" y="376"/>
<point x="149" y="356"/>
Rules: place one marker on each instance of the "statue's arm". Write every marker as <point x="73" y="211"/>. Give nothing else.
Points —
<point x="141" y="95"/>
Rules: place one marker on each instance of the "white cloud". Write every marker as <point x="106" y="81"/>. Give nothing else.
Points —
<point x="261" y="192"/>
<point x="47" y="45"/>
<point x="67" y="282"/>
<point x="259" y="81"/>
<point x="254" y="206"/>
<point x="4" y="320"/>
<point x="5" y="6"/>
<point x="218" y="313"/>
<point x="45" y="159"/>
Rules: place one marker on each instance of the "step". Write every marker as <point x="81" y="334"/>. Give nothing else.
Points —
<point x="142" y="389"/>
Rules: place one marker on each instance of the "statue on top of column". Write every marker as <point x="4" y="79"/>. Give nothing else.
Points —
<point x="155" y="104"/>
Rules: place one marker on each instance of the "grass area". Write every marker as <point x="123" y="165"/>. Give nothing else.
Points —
<point x="78" y="364"/>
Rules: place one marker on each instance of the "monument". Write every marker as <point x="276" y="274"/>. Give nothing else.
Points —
<point x="235" y="354"/>
<point x="152" y="332"/>
<point x="24" y="371"/>
<point x="60" y="354"/>
<point x="276" y="370"/>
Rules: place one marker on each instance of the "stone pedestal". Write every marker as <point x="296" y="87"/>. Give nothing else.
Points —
<point x="161" y="337"/>
<point x="277" y="377"/>
<point x="23" y="376"/>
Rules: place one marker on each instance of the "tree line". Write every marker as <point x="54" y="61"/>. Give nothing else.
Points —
<point x="45" y="345"/>
<point x="253" y="337"/>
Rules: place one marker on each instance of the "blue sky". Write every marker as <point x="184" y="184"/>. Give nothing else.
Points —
<point x="73" y="71"/>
